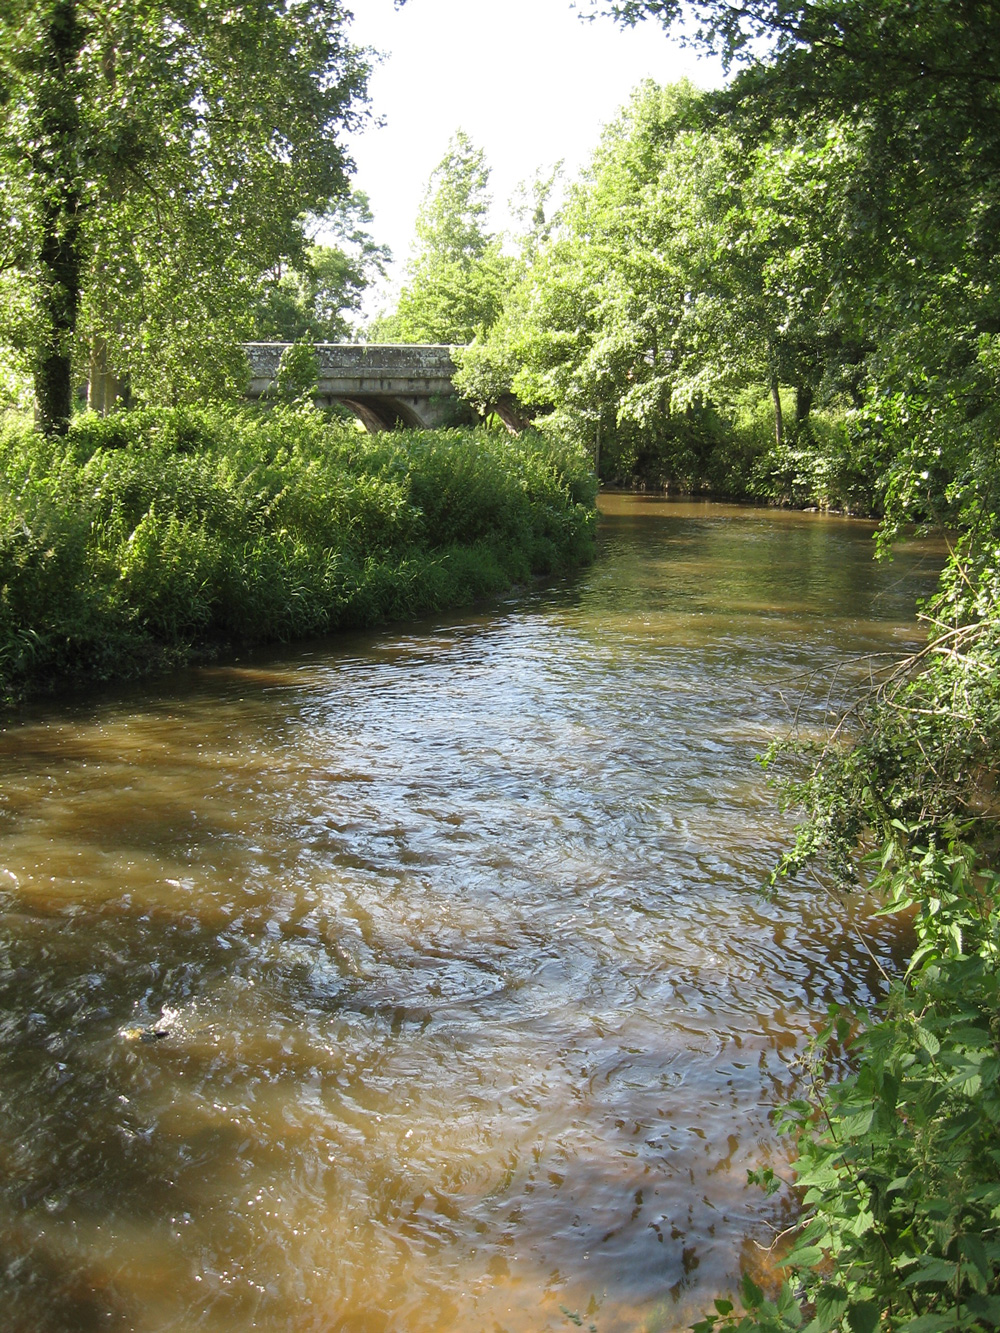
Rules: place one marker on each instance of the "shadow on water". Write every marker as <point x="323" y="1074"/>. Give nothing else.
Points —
<point x="420" y="980"/>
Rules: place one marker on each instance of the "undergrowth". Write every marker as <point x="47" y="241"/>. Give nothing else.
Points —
<point x="142" y="537"/>
<point x="898" y="1164"/>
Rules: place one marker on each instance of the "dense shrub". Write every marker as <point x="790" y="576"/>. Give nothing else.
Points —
<point x="143" y="535"/>
<point x="823" y="462"/>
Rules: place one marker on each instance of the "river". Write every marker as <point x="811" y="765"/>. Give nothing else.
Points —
<point x="419" y="981"/>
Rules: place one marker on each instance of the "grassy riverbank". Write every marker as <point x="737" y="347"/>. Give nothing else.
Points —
<point x="143" y="538"/>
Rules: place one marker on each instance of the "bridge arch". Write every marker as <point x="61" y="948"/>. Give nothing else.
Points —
<point x="378" y="411"/>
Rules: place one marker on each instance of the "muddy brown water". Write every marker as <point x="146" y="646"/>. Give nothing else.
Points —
<point x="419" y="981"/>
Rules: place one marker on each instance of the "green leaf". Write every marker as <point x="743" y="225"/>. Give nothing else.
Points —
<point x="806" y="1256"/>
<point x="861" y="1224"/>
<point x="931" y="1270"/>
<point x="831" y="1302"/>
<point x="931" y="1323"/>
<point x="985" y="1308"/>
<point x="972" y="1247"/>
<point x="863" y="1317"/>
<point x="858" y="1123"/>
<point x="927" y="1039"/>
<point x="753" y="1297"/>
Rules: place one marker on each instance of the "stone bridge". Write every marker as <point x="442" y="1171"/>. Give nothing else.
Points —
<point x="385" y="384"/>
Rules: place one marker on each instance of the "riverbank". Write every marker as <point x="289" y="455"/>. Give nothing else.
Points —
<point x="142" y="539"/>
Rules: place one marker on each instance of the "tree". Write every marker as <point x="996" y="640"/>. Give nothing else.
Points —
<point x="318" y="293"/>
<point x="896" y="1163"/>
<point x="610" y="323"/>
<point x="842" y="50"/>
<point x="157" y="155"/>
<point x="765" y="304"/>
<point x="457" y="274"/>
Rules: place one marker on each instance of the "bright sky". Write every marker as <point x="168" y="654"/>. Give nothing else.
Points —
<point x="527" y="80"/>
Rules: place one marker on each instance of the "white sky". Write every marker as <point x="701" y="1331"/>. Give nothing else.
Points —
<point x="527" y="80"/>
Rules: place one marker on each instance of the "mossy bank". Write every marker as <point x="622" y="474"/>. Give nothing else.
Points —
<point x="144" y="538"/>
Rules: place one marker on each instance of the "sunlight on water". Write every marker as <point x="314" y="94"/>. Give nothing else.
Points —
<point x="419" y="981"/>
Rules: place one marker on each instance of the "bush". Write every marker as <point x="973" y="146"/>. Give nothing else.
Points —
<point x="143" y="536"/>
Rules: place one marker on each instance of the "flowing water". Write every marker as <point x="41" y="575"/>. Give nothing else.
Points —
<point x="419" y="981"/>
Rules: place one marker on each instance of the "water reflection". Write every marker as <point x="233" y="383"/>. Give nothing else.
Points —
<point x="419" y="980"/>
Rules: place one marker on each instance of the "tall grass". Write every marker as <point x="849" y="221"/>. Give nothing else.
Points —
<point x="145" y="536"/>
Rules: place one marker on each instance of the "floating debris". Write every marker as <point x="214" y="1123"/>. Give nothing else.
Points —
<point x="150" y="1032"/>
<point x="144" y="1034"/>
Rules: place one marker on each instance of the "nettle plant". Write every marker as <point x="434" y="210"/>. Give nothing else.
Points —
<point x="898" y="1162"/>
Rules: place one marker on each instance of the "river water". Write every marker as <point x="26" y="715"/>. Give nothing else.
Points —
<point x="419" y="981"/>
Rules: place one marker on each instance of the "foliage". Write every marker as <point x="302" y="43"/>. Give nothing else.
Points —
<point x="691" y="266"/>
<point x="318" y="295"/>
<point x="297" y="379"/>
<point x="156" y="158"/>
<point x="919" y="755"/>
<point x="874" y="130"/>
<point x="824" y="230"/>
<point x="839" y="51"/>
<point x="898" y="1161"/>
<point x="140" y="537"/>
<point x="457" y="274"/>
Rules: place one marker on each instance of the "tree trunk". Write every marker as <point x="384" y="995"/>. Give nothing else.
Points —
<point x="779" y="423"/>
<point x="60" y="250"/>
<point x="803" y="403"/>
<point x="104" y="388"/>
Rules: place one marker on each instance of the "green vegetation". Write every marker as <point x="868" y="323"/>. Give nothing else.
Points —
<point x="899" y="1145"/>
<point x="457" y="273"/>
<point x="710" y="310"/>
<point x="156" y="159"/>
<point x="844" y="195"/>
<point x="135" y="539"/>
<point x="787" y="289"/>
<point x="781" y="291"/>
<point x="319" y="294"/>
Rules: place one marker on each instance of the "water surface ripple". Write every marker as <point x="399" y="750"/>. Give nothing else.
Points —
<point x="419" y="981"/>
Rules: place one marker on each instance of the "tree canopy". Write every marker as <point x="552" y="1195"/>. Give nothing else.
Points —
<point x="850" y="219"/>
<point x="456" y="276"/>
<point x="317" y="294"/>
<point x="155" y="157"/>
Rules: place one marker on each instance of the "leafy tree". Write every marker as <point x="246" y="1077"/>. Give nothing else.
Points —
<point x="156" y="156"/>
<point x="839" y="52"/>
<point x="897" y="1162"/>
<point x="915" y="85"/>
<point x="686" y="266"/>
<point x="583" y="324"/>
<point x="319" y="293"/>
<point x="457" y="274"/>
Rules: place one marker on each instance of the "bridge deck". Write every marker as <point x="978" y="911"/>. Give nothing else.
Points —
<point x="385" y="384"/>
